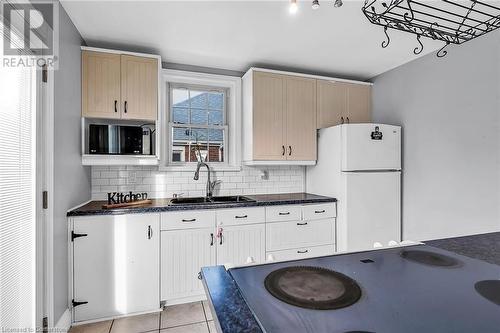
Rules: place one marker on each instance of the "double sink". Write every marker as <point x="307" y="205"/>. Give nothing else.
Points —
<point x="211" y="200"/>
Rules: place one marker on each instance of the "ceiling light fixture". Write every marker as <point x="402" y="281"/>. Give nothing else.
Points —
<point x="315" y="4"/>
<point x="293" y="7"/>
<point x="338" y="3"/>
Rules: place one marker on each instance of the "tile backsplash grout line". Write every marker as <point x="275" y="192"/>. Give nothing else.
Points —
<point x="163" y="184"/>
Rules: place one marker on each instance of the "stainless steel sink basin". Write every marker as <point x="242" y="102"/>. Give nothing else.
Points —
<point x="213" y="200"/>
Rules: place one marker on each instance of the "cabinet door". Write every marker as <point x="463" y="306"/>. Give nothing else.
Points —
<point x="268" y="119"/>
<point x="116" y="265"/>
<point x="332" y="103"/>
<point x="359" y="102"/>
<point x="100" y="85"/>
<point x="300" y="113"/>
<point x="238" y="243"/>
<point x="183" y="254"/>
<point x="139" y="77"/>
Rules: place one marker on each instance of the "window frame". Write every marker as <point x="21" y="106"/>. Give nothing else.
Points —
<point x="224" y="127"/>
<point x="231" y="86"/>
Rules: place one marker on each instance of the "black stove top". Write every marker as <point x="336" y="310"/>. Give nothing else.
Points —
<point x="389" y="290"/>
<point x="312" y="287"/>
<point x="430" y="258"/>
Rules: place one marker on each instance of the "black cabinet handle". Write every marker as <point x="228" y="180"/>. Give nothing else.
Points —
<point x="241" y="217"/>
<point x="75" y="303"/>
<point x="220" y="235"/>
<point x="305" y="223"/>
<point x="211" y="239"/>
<point x="199" y="276"/>
<point x="75" y="235"/>
<point x="289" y="150"/>
<point x="347" y="120"/>
<point x="188" y="220"/>
<point x="305" y="251"/>
<point x="341" y="120"/>
<point x="150" y="232"/>
<point x="284" y="213"/>
<point x="319" y="211"/>
<point x="283" y="151"/>
<point x="116" y="109"/>
<point x="125" y="107"/>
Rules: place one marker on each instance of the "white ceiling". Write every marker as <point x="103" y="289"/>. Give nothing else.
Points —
<point x="235" y="35"/>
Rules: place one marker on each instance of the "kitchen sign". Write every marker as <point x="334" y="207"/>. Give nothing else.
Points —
<point x="120" y="197"/>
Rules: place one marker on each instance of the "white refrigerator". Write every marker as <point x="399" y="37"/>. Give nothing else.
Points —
<point x="360" y="165"/>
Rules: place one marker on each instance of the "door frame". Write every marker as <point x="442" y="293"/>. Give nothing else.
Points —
<point x="45" y="182"/>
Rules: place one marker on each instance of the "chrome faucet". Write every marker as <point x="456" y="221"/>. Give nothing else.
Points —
<point x="210" y="185"/>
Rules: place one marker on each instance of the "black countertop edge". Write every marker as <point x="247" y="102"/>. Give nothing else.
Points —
<point x="484" y="247"/>
<point x="225" y="299"/>
<point x="165" y="205"/>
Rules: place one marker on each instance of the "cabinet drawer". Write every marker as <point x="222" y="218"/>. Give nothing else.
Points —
<point x="290" y="235"/>
<point x="317" y="212"/>
<point x="300" y="253"/>
<point x="283" y="213"/>
<point x="188" y="220"/>
<point x="240" y="216"/>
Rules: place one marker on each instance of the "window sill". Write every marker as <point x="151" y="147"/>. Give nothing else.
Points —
<point x="192" y="168"/>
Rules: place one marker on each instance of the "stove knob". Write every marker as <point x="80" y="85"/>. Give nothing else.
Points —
<point x="270" y="257"/>
<point x="377" y="245"/>
<point x="393" y="243"/>
<point x="250" y="260"/>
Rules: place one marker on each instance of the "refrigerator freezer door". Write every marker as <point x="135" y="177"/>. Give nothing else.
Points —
<point x="371" y="147"/>
<point x="371" y="211"/>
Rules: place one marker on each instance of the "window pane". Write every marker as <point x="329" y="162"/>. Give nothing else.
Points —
<point x="215" y="117"/>
<point x="216" y="145"/>
<point x="216" y="101"/>
<point x="180" y="115"/>
<point x="199" y="116"/>
<point x="198" y="99"/>
<point x="180" y="97"/>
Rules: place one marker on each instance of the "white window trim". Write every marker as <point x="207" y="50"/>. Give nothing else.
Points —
<point x="233" y="116"/>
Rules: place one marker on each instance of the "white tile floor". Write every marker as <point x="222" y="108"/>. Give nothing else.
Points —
<point x="184" y="318"/>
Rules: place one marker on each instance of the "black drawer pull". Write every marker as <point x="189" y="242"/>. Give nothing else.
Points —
<point x="241" y="216"/>
<point x="212" y="239"/>
<point x="305" y="251"/>
<point x="190" y="220"/>
<point x="305" y="223"/>
<point x="286" y="213"/>
<point x="319" y="211"/>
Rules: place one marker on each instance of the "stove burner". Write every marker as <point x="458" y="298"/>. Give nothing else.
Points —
<point x="430" y="258"/>
<point x="489" y="289"/>
<point x="312" y="287"/>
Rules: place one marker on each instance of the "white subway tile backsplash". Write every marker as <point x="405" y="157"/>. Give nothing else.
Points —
<point x="163" y="184"/>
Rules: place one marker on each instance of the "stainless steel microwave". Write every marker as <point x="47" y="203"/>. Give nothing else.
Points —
<point x="120" y="140"/>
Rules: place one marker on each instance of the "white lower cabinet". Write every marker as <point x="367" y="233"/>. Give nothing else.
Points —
<point x="115" y="265"/>
<point x="242" y="244"/>
<point x="294" y="234"/>
<point x="184" y="253"/>
<point x="300" y="253"/>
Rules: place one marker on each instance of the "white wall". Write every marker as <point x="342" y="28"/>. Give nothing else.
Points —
<point x="449" y="109"/>
<point x="71" y="179"/>
<point x="282" y="179"/>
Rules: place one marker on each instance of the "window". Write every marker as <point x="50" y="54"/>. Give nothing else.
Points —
<point x="197" y="121"/>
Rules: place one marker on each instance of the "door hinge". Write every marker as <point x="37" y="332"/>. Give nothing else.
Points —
<point x="45" y="73"/>
<point x="45" y="199"/>
<point x="45" y="324"/>
<point x="75" y="235"/>
<point x="75" y="303"/>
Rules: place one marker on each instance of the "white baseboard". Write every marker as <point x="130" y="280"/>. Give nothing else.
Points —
<point x="64" y="323"/>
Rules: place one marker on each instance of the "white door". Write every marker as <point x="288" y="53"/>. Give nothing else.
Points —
<point x="183" y="254"/>
<point x="372" y="210"/>
<point x="371" y="147"/>
<point x="239" y="243"/>
<point x="116" y="265"/>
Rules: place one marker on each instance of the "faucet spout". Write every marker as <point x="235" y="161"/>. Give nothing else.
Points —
<point x="209" y="187"/>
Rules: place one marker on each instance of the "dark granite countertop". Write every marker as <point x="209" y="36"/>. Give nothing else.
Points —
<point x="164" y="205"/>
<point x="484" y="247"/>
<point x="234" y="315"/>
